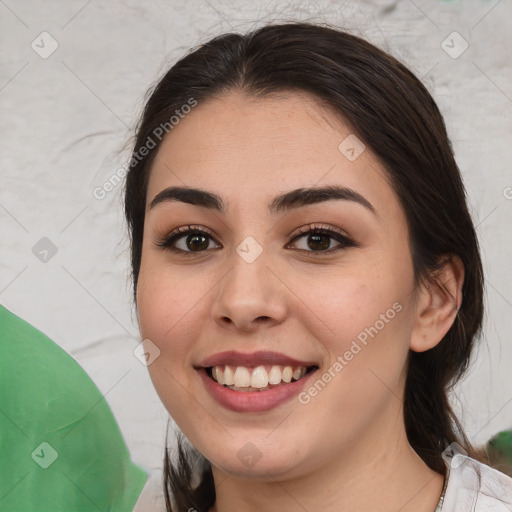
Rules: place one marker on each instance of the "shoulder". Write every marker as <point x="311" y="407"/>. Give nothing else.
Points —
<point x="477" y="487"/>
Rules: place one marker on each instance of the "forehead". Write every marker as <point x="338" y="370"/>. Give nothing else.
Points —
<point x="247" y="150"/>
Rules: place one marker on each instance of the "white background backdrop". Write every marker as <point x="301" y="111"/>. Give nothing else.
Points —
<point x="65" y="118"/>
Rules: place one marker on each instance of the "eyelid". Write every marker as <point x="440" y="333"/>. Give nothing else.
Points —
<point x="180" y="232"/>
<point x="311" y="228"/>
<point x="337" y="234"/>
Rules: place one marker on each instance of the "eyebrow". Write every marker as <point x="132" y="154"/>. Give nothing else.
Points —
<point x="283" y="202"/>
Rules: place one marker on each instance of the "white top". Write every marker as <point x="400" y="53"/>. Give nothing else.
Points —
<point x="471" y="487"/>
<point x="476" y="487"/>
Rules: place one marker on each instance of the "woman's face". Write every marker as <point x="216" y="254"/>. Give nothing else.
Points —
<point x="257" y="282"/>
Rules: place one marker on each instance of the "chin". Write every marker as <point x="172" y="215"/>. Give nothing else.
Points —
<point x="256" y="459"/>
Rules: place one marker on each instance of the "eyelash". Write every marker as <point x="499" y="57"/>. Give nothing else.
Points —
<point x="168" y="241"/>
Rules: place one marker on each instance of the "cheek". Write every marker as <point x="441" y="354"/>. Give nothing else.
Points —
<point x="348" y="301"/>
<point x="159" y="318"/>
<point x="168" y="308"/>
<point x="368" y="357"/>
<point x="369" y="326"/>
<point x="167" y="303"/>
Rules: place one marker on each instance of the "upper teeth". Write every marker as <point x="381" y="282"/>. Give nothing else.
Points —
<point x="259" y="377"/>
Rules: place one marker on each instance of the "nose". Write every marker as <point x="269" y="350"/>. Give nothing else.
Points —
<point x="249" y="296"/>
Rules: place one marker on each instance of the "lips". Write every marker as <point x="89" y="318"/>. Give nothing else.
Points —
<point x="252" y="399"/>
<point x="259" y="358"/>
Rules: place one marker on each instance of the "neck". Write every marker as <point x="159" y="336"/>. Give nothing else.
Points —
<point x="386" y="475"/>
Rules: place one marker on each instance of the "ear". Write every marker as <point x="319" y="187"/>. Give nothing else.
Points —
<point x="438" y="302"/>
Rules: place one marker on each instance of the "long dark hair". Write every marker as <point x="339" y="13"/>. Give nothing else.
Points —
<point x="394" y="114"/>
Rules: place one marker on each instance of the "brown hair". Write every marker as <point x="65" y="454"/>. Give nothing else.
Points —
<point x="394" y="114"/>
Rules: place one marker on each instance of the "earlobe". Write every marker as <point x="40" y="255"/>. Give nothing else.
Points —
<point x="439" y="300"/>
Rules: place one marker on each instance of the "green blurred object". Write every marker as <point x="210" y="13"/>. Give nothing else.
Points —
<point x="499" y="451"/>
<point x="60" y="446"/>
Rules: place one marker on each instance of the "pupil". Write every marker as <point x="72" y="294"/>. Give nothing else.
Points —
<point x="193" y="245"/>
<point x="316" y="238"/>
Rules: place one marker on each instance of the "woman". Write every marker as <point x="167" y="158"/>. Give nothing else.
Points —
<point x="307" y="279"/>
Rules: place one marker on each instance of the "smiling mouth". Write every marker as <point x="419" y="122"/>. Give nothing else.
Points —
<point x="259" y="378"/>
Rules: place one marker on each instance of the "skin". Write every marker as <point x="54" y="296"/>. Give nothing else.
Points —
<point x="346" y="449"/>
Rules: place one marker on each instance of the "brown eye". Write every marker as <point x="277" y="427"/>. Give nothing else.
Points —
<point x="191" y="240"/>
<point x="318" y="240"/>
<point x="196" y="242"/>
